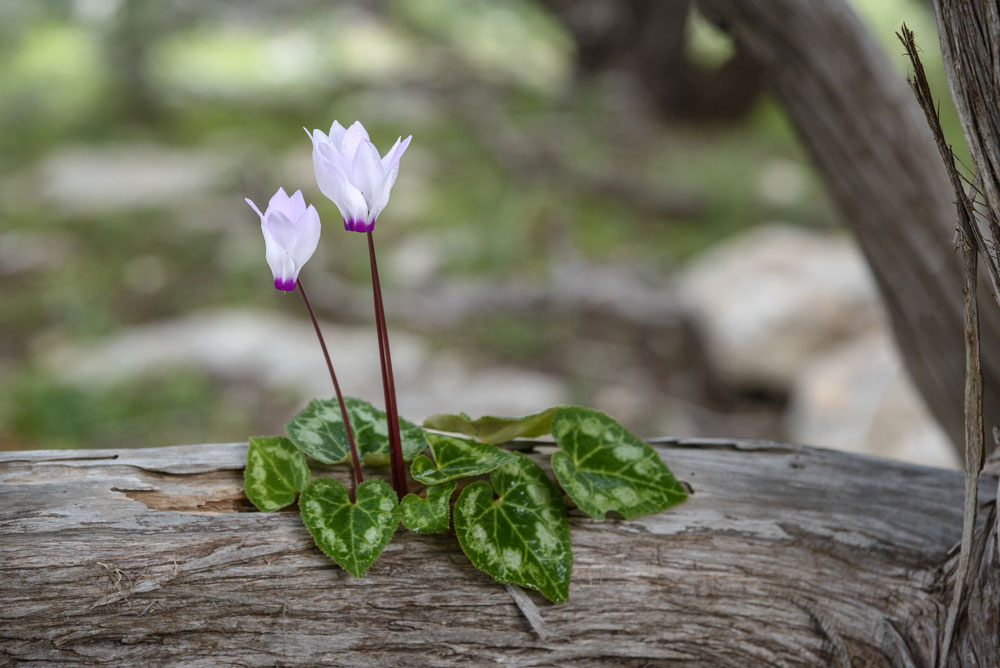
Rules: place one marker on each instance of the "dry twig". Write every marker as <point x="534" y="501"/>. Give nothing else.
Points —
<point x="971" y="243"/>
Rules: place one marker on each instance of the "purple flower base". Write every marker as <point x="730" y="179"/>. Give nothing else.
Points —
<point x="352" y="225"/>
<point x="284" y="283"/>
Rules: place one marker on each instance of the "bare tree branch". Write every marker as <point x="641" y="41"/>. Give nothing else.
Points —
<point x="971" y="244"/>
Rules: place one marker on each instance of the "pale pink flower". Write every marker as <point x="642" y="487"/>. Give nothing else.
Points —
<point x="291" y="234"/>
<point x="352" y="174"/>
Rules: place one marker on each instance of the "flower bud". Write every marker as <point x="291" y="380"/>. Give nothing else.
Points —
<point x="291" y="234"/>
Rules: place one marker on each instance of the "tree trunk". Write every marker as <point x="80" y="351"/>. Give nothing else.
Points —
<point x="970" y="43"/>
<point x="865" y="133"/>
<point x="783" y="555"/>
<point x="647" y="39"/>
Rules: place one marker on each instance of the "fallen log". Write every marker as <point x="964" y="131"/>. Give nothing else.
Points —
<point x="783" y="555"/>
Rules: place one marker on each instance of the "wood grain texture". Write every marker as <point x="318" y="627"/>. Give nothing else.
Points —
<point x="783" y="555"/>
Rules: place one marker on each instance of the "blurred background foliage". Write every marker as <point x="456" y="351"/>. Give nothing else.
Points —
<point x="133" y="130"/>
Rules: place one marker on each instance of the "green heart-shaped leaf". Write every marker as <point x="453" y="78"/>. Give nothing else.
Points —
<point x="456" y="424"/>
<point x="352" y="534"/>
<point x="456" y="458"/>
<point x="603" y="467"/>
<point x="431" y="514"/>
<point x="523" y="535"/>
<point x="319" y="432"/>
<point x="492" y="429"/>
<point x="276" y="472"/>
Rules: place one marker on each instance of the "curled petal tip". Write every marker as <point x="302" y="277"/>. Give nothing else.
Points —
<point x="253" y="206"/>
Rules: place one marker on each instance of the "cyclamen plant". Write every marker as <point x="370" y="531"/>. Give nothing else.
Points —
<point x="510" y="518"/>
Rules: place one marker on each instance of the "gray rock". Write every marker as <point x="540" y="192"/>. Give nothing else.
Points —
<point x="770" y="300"/>
<point x="798" y="311"/>
<point x="273" y="350"/>
<point x="24" y="252"/>
<point x="860" y="398"/>
<point x="99" y="180"/>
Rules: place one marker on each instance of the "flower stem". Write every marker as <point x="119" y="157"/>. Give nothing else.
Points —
<point x="358" y="476"/>
<point x="388" y="385"/>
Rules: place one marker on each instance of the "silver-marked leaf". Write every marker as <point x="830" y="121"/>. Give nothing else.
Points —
<point x="456" y="458"/>
<point x="523" y="535"/>
<point x="319" y="432"/>
<point x="431" y="514"/>
<point x="492" y="429"/>
<point x="603" y="467"/>
<point x="352" y="534"/>
<point x="456" y="424"/>
<point x="276" y="472"/>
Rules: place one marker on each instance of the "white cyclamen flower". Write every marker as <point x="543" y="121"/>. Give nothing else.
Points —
<point x="291" y="234"/>
<point x="350" y="171"/>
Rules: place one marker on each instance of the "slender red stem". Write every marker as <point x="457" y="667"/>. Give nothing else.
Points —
<point x="358" y="476"/>
<point x="388" y="384"/>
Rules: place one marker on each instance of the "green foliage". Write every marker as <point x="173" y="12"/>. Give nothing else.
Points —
<point x="456" y="424"/>
<point x="456" y="458"/>
<point x="276" y="472"/>
<point x="40" y="411"/>
<point x="431" y="514"/>
<point x="319" y="432"/>
<point x="352" y="534"/>
<point x="522" y="536"/>
<point x="603" y="467"/>
<point x="495" y="430"/>
<point x="513" y="526"/>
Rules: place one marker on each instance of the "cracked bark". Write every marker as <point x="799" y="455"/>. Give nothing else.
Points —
<point x="784" y="555"/>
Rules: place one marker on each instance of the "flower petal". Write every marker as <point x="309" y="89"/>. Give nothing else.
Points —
<point x="392" y="156"/>
<point x="352" y="138"/>
<point x="336" y="134"/>
<point x="296" y="207"/>
<point x="280" y="228"/>
<point x="279" y="201"/>
<point x="333" y="182"/>
<point x="254" y="207"/>
<point x="390" y="165"/>
<point x="366" y="171"/>
<point x="328" y="150"/>
<point x="308" y="228"/>
<point x="280" y="262"/>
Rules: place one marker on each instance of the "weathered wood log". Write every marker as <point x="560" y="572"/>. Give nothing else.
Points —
<point x="783" y="555"/>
